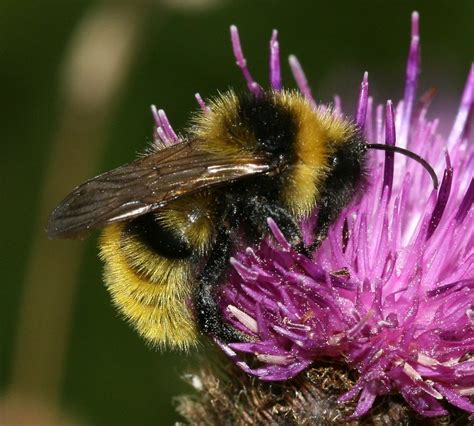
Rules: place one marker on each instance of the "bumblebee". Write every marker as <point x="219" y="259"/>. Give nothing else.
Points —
<point x="173" y="218"/>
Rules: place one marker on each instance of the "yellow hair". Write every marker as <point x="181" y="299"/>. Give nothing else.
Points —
<point x="152" y="292"/>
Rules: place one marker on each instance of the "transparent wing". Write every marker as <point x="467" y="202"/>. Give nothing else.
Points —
<point x="147" y="184"/>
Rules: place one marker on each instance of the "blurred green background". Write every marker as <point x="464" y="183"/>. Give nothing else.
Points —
<point x="77" y="79"/>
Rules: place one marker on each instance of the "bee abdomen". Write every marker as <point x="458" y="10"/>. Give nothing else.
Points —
<point x="152" y="291"/>
<point x="159" y="239"/>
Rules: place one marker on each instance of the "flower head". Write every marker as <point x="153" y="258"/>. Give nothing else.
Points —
<point x="390" y="291"/>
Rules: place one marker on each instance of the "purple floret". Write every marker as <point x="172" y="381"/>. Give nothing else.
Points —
<point x="390" y="292"/>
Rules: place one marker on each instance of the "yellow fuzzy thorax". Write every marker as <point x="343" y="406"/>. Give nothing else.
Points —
<point x="219" y="129"/>
<point x="152" y="292"/>
<point x="319" y="131"/>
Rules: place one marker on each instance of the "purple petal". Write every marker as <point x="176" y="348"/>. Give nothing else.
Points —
<point x="363" y="100"/>
<point x="301" y="79"/>
<point x="465" y="108"/>
<point x="411" y="82"/>
<point x="242" y="62"/>
<point x="366" y="400"/>
<point x="275" y="72"/>
<point x="389" y="140"/>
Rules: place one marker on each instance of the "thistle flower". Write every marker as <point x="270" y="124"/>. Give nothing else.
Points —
<point x="390" y="291"/>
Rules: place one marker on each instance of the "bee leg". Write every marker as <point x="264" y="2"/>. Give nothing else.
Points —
<point x="207" y="307"/>
<point x="344" y="182"/>
<point x="319" y="237"/>
<point x="330" y="206"/>
<point x="261" y="209"/>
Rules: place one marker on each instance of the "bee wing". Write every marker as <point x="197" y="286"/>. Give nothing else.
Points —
<point x="147" y="184"/>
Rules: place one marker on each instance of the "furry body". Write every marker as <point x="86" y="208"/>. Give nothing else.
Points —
<point x="162" y="268"/>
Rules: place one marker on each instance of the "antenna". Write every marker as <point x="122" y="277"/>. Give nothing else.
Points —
<point x="412" y="155"/>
